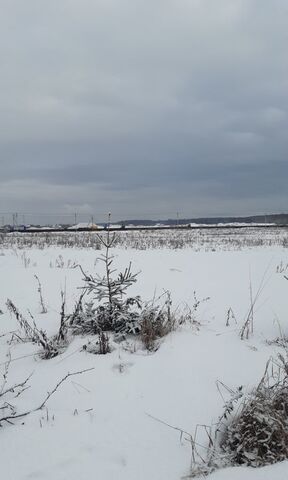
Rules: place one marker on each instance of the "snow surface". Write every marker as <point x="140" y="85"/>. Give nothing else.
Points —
<point x="99" y="424"/>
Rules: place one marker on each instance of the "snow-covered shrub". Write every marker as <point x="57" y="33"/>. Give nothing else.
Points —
<point x="156" y="321"/>
<point x="110" y="309"/>
<point x="189" y="314"/>
<point x="259" y="434"/>
<point x="51" y="347"/>
<point x="253" y="429"/>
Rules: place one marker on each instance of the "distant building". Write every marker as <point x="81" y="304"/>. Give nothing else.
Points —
<point x="85" y="226"/>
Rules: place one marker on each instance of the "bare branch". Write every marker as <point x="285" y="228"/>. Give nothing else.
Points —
<point x="9" y="418"/>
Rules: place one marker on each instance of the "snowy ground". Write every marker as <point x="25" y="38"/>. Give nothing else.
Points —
<point x="99" y="425"/>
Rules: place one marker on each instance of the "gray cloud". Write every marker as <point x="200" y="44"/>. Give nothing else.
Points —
<point x="142" y="106"/>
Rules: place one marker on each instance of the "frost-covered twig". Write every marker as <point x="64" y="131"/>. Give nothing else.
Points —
<point x="9" y="418"/>
<point x="42" y="303"/>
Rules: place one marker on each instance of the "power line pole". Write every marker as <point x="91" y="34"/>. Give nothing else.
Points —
<point x="15" y="219"/>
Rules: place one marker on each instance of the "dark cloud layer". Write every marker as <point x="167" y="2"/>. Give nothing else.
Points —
<point x="144" y="107"/>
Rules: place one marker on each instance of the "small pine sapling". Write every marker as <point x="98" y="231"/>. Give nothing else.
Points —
<point x="114" y="311"/>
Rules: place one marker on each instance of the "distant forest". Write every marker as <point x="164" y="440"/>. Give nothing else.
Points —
<point x="279" y="219"/>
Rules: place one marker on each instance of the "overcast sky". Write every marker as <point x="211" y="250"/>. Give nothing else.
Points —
<point x="144" y="107"/>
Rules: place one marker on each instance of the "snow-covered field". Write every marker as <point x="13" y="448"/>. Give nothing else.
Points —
<point x="106" y="423"/>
